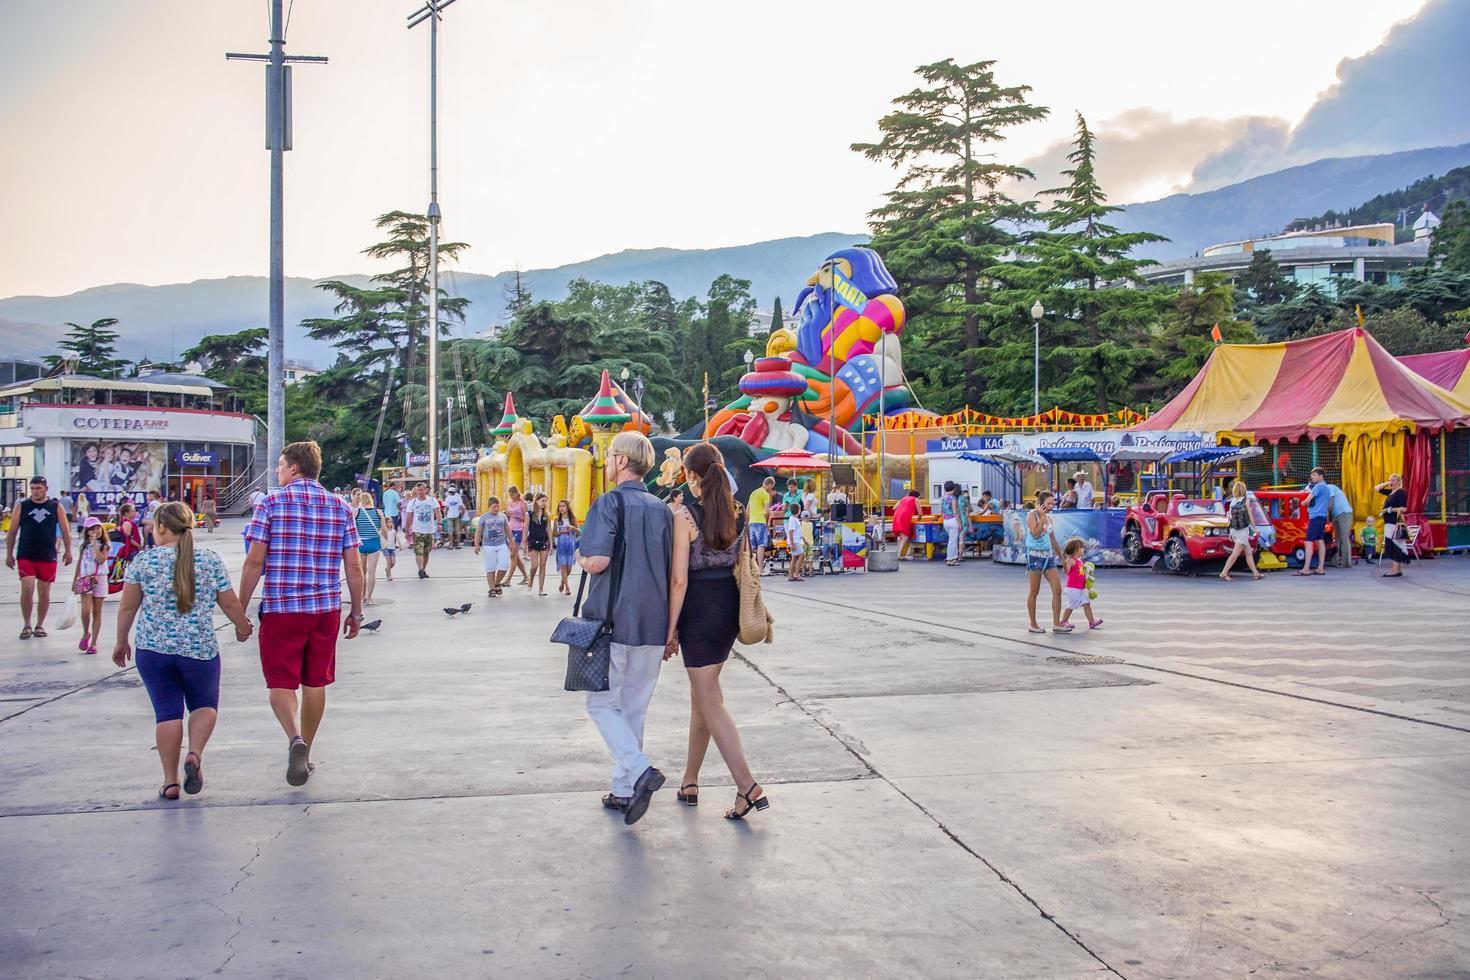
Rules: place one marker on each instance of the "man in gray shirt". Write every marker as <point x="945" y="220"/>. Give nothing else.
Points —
<point x="640" y="617"/>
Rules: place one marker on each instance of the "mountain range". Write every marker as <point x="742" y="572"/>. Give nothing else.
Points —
<point x="158" y="322"/>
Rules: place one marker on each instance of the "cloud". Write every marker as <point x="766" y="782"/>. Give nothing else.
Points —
<point x="1406" y="93"/>
<point x="1145" y="154"/>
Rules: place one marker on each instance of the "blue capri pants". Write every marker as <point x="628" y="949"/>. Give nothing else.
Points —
<point x="173" y="681"/>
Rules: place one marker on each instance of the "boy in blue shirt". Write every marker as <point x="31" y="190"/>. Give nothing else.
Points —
<point x="1319" y="508"/>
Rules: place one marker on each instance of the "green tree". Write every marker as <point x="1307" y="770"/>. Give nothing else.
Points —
<point x="1401" y="330"/>
<point x="379" y="333"/>
<point x="1184" y="342"/>
<point x="1262" y="283"/>
<point x="518" y="295"/>
<point x="238" y="360"/>
<point x="92" y="347"/>
<point x="1094" y="291"/>
<point x="945" y="230"/>
<point x="776" y="315"/>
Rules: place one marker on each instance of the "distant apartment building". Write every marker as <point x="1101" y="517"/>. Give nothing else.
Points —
<point x="299" y="371"/>
<point x="1311" y="256"/>
<point x="760" y="322"/>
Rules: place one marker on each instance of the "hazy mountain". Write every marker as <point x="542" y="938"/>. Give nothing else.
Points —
<point x="1264" y="205"/>
<point x="160" y="321"/>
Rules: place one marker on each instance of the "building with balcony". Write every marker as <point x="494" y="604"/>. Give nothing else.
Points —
<point x="1315" y="256"/>
<point x="116" y="439"/>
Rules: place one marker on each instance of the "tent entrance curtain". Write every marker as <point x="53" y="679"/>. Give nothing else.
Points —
<point x="1366" y="462"/>
<point x="1420" y="465"/>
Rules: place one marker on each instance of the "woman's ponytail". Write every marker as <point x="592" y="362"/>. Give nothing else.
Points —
<point x="179" y="520"/>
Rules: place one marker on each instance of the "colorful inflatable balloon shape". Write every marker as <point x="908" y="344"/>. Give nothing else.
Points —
<point x="835" y="364"/>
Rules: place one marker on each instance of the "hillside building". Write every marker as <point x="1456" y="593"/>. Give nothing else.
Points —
<point x="1314" y="256"/>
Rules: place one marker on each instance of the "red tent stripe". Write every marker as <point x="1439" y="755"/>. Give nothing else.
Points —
<point x="1165" y="417"/>
<point x="1307" y="378"/>
<point x="1444" y="368"/>
<point x="1407" y="399"/>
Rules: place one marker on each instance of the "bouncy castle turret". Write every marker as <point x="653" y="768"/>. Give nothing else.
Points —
<point x="604" y="416"/>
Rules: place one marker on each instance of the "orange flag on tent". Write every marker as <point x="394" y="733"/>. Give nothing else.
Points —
<point x="1215" y="334"/>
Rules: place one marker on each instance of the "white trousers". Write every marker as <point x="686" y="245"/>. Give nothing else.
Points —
<point x="619" y="712"/>
<point x="952" y="530"/>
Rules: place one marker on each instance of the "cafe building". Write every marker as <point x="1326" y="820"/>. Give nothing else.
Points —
<point x="116" y="439"/>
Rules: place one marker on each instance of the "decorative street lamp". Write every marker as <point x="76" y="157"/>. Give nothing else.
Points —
<point x="1037" y="312"/>
<point x="749" y="358"/>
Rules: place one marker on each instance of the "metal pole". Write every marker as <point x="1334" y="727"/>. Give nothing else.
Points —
<point x="275" y="374"/>
<point x="1036" y="369"/>
<point x="882" y="438"/>
<point x="433" y="216"/>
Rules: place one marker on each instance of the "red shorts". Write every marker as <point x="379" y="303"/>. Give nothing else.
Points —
<point x="299" y="649"/>
<point x="44" y="571"/>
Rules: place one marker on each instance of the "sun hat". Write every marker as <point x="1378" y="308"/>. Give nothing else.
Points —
<point x="91" y="522"/>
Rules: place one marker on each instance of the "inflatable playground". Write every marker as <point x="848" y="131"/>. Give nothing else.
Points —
<point x="830" y="397"/>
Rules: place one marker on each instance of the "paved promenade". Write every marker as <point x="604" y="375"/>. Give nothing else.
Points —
<point x="1273" y="780"/>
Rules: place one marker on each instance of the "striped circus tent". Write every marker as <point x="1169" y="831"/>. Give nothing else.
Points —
<point x="1450" y="369"/>
<point x="1342" y="384"/>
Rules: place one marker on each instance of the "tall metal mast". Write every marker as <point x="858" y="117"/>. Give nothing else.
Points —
<point x="431" y="11"/>
<point x="277" y="140"/>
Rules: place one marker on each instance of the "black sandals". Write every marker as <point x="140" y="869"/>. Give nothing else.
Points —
<point x="750" y="804"/>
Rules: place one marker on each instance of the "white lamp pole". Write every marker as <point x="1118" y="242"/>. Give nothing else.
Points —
<point x="1037" y="312"/>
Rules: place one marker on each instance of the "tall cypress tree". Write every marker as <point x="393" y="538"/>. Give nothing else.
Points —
<point x="775" y="315"/>
<point x="1100" y="311"/>
<point x="945" y="229"/>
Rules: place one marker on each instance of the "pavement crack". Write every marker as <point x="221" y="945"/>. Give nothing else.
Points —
<point x="245" y="875"/>
<point x="876" y="773"/>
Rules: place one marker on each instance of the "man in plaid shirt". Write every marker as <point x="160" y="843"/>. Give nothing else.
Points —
<point x="299" y="541"/>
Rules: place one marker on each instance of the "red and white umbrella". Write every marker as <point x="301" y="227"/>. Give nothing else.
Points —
<point x="794" y="459"/>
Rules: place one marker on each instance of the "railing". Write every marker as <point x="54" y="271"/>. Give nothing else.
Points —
<point x="242" y="486"/>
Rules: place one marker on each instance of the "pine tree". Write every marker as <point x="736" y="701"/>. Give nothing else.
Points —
<point x="518" y="295"/>
<point x="776" y="316"/>
<point x="1094" y="288"/>
<point x="93" y="348"/>
<point x="945" y="230"/>
<point x="1262" y="283"/>
<point x="1450" y="245"/>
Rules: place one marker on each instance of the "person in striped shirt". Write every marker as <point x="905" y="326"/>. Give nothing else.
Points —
<point x="301" y="541"/>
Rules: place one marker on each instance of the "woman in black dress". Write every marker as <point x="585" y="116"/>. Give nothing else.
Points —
<point x="1394" y="507"/>
<point x="704" y="620"/>
<point x="538" y="540"/>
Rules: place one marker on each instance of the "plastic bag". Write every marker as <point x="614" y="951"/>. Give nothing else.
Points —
<point x="69" y="613"/>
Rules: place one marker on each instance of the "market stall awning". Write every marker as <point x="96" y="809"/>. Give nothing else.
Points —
<point x="1339" y="384"/>
<point x="1011" y="456"/>
<point x="1068" y="454"/>
<point x="1450" y="369"/>
<point x="987" y="460"/>
<point x="1214" y="454"/>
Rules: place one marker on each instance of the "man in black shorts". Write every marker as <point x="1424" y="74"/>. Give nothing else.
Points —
<point x="37" y="521"/>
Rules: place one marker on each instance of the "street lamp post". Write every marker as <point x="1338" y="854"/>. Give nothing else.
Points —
<point x="430" y="11"/>
<point x="1037" y="312"/>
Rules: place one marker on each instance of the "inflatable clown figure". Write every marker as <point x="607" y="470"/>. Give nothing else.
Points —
<point x="843" y="360"/>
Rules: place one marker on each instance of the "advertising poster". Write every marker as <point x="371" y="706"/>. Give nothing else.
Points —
<point x="111" y="472"/>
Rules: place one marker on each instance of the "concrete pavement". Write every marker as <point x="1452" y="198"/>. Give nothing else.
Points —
<point x="1273" y="782"/>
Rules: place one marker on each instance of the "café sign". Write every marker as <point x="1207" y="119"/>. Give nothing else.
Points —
<point x="123" y="423"/>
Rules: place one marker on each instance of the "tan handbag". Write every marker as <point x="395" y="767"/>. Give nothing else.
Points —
<point x="755" y="619"/>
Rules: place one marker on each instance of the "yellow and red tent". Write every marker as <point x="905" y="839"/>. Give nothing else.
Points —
<point x="1342" y="384"/>
<point x="1450" y="369"/>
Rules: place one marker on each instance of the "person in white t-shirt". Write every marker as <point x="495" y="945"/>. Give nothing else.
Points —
<point x="453" y="516"/>
<point x="423" y="511"/>
<point x="1084" y="490"/>
<point x="795" y="542"/>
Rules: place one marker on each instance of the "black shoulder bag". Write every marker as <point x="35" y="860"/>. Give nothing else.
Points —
<point x="589" y="641"/>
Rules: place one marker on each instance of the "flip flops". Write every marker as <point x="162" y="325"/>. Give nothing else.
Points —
<point x="193" y="774"/>
<point x="26" y="633"/>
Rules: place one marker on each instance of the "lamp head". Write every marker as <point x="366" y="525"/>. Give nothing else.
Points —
<point x="1037" y="310"/>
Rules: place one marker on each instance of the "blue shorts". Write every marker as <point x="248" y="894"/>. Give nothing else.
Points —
<point x="173" y="681"/>
<point x="370" y="546"/>
<point x="1316" y="528"/>
<point x="760" y="535"/>
<point x="1041" y="561"/>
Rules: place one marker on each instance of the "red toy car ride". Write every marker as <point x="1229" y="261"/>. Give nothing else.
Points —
<point x="1180" y="530"/>
<point x="1287" y="511"/>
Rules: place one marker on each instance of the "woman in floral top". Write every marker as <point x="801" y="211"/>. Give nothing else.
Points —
<point x="178" y="657"/>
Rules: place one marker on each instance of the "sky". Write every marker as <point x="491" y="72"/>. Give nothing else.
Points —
<point x="132" y="151"/>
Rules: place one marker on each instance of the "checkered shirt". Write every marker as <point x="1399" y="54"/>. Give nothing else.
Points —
<point x="305" y="529"/>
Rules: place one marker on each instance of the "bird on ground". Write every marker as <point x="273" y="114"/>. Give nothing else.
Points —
<point x="462" y="609"/>
<point x="373" y="626"/>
